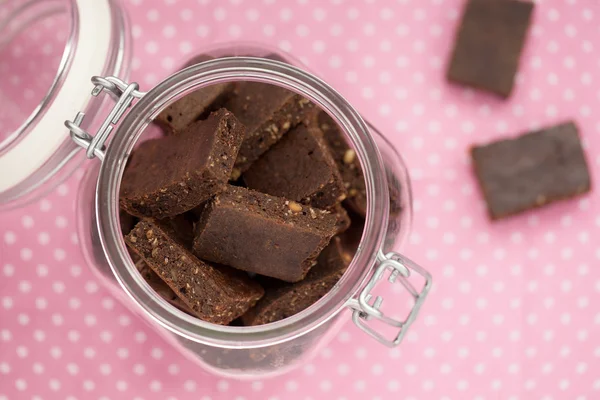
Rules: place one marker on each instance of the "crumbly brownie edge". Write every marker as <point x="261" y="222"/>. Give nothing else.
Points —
<point x="213" y="311"/>
<point x="296" y="110"/>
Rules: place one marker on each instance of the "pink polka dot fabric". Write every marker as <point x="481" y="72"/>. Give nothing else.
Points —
<point x="513" y="313"/>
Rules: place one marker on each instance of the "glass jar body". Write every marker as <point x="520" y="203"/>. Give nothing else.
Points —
<point x="272" y="356"/>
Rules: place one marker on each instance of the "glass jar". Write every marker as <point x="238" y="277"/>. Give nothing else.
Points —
<point x="272" y="349"/>
<point x="49" y="49"/>
<point x="97" y="44"/>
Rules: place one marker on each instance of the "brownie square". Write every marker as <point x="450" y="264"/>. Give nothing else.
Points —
<point x="263" y="234"/>
<point x="267" y="112"/>
<point x="282" y="300"/>
<point x="173" y="174"/>
<point x="531" y="170"/>
<point x="299" y="167"/>
<point x="489" y="44"/>
<point x="347" y="163"/>
<point x="215" y="293"/>
<point x="160" y="287"/>
<point x="193" y="107"/>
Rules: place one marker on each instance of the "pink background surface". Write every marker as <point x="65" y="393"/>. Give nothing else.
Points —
<point x="514" y="310"/>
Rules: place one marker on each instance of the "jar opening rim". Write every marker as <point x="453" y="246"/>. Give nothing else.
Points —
<point x="218" y="71"/>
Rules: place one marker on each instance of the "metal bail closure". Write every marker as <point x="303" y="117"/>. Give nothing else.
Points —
<point x="366" y="308"/>
<point x="123" y="93"/>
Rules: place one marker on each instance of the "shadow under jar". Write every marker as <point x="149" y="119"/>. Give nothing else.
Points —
<point x="271" y="349"/>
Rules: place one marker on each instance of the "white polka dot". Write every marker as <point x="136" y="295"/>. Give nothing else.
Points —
<point x="122" y="353"/>
<point x="8" y="270"/>
<point x="10" y="237"/>
<point x="91" y="287"/>
<point x="21" y="384"/>
<point x="75" y="270"/>
<point x="38" y="368"/>
<point x="319" y="46"/>
<point x="23" y="319"/>
<point x="565" y="351"/>
<point x="59" y="254"/>
<point x="167" y="63"/>
<point x="139" y="369"/>
<point x="552" y="47"/>
<point x="5" y="335"/>
<point x="56" y="352"/>
<point x="462" y="385"/>
<point x="222" y="385"/>
<point x="291" y="386"/>
<point x="185" y="47"/>
<point x="581" y="368"/>
<point x="186" y="14"/>
<point x="89" y="385"/>
<point x="26" y="254"/>
<point x="169" y="31"/>
<point x="27" y="221"/>
<point x="152" y="15"/>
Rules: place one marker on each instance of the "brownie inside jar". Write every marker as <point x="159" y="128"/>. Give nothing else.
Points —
<point x="248" y="199"/>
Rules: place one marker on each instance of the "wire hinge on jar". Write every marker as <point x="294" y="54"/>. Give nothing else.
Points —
<point x="367" y="308"/>
<point x="124" y="94"/>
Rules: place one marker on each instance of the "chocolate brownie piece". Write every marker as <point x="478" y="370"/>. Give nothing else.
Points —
<point x="174" y="174"/>
<point x="531" y="170"/>
<point x="299" y="167"/>
<point x="216" y="294"/>
<point x="347" y="162"/>
<point x="267" y="112"/>
<point x="259" y="233"/>
<point x="489" y="43"/>
<point x="193" y="107"/>
<point x="160" y="287"/>
<point x="283" y="300"/>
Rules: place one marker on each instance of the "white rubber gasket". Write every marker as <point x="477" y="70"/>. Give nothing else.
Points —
<point x="91" y="51"/>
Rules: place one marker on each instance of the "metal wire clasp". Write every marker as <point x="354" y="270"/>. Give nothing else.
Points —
<point x="124" y="94"/>
<point x="366" y="308"/>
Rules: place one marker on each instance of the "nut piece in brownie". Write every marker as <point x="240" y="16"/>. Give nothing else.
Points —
<point x="489" y="43"/>
<point x="193" y="107"/>
<point x="263" y="234"/>
<point x="216" y="294"/>
<point x="160" y="287"/>
<point x="347" y="162"/>
<point x="171" y="175"/>
<point x="267" y="112"/>
<point x="531" y="170"/>
<point x="282" y="300"/>
<point x="299" y="167"/>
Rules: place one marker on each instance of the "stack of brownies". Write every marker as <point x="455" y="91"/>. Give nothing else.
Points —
<point x="247" y="210"/>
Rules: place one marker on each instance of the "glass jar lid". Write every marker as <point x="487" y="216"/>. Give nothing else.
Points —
<point x="48" y="51"/>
